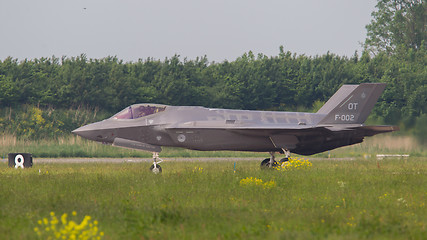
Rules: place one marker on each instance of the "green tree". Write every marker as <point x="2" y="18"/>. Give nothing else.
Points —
<point x="395" y="23"/>
<point x="8" y="94"/>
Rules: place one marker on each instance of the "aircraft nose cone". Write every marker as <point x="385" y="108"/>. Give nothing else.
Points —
<point x="98" y="131"/>
<point x="84" y="132"/>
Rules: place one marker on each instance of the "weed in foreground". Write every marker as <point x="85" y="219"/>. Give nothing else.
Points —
<point x="293" y="164"/>
<point x="251" y="181"/>
<point x="64" y="229"/>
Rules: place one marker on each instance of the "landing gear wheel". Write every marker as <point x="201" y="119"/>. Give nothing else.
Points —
<point x="156" y="169"/>
<point x="265" y="164"/>
<point x="283" y="160"/>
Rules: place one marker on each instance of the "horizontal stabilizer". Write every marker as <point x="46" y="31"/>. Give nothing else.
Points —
<point x="374" y="130"/>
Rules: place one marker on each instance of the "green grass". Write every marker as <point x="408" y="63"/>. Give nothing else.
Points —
<point x="204" y="200"/>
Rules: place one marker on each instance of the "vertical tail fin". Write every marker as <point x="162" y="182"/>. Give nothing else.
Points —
<point x="351" y="104"/>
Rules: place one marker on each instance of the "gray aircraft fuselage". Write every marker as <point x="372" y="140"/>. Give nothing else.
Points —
<point x="150" y="126"/>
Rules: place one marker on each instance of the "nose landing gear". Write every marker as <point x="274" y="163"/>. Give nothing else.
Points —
<point x="155" y="168"/>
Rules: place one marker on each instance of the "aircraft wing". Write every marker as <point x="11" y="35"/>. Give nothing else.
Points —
<point x="302" y="130"/>
<point x="296" y="130"/>
<point x="288" y="136"/>
<point x="251" y="129"/>
<point x="275" y="129"/>
<point x="281" y="135"/>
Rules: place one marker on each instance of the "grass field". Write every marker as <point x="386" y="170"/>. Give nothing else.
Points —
<point x="360" y="199"/>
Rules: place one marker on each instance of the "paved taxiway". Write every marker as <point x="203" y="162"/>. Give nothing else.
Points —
<point x="149" y="160"/>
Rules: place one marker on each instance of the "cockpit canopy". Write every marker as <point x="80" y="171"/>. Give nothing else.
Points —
<point x="139" y="110"/>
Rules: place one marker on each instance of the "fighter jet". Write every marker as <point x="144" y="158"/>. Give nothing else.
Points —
<point x="148" y="127"/>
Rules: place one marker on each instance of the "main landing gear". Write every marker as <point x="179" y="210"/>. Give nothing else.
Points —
<point x="155" y="168"/>
<point x="270" y="163"/>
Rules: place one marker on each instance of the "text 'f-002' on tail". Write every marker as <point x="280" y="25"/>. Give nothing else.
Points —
<point x="148" y="127"/>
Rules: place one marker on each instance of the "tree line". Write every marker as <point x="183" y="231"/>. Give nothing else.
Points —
<point x="283" y="82"/>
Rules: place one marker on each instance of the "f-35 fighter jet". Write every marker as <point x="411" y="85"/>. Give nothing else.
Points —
<point x="148" y="127"/>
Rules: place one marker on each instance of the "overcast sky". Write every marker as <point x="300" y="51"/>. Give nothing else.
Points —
<point x="220" y="29"/>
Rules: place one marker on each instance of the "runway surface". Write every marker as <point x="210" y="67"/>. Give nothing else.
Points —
<point x="138" y="160"/>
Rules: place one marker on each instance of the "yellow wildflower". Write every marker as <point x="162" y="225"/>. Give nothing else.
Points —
<point x="64" y="218"/>
<point x="55" y="229"/>
<point x="250" y="181"/>
<point x="294" y="163"/>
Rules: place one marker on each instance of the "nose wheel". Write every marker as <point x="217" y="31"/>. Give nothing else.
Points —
<point x="155" y="168"/>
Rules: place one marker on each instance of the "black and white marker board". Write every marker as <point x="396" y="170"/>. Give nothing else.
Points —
<point x="20" y="160"/>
